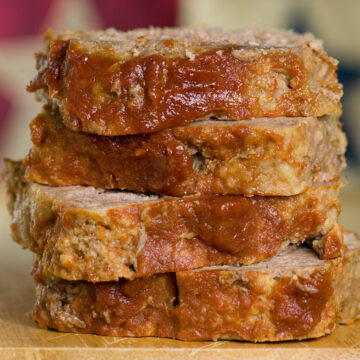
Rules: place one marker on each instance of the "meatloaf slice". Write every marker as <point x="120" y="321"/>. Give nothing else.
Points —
<point x="83" y="233"/>
<point x="292" y="296"/>
<point x="282" y="156"/>
<point x="146" y="80"/>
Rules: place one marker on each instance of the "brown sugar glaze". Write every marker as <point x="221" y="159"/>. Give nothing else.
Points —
<point x="142" y="307"/>
<point x="157" y="162"/>
<point x="109" y="96"/>
<point x="217" y="305"/>
<point x="333" y="243"/>
<point x="200" y="305"/>
<point x="211" y="230"/>
<point x="215" y="157"/>
<point x="297" y="310"/>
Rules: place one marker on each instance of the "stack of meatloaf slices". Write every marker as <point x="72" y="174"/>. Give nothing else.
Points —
<point x="184" y="183"/>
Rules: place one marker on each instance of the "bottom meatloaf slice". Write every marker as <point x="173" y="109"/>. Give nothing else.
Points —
<point x="292" y="296"/>
<point x="82" y="233"/>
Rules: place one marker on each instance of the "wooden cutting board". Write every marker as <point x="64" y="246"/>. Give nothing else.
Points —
<point x="21" y="338"/>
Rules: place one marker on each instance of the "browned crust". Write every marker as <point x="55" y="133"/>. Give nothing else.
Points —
<point x="283" y="157"/>
<point x="142" y="307"/>
<point x="84" y="233"/>
<point x="160" y="82"/>
<point x="291" y="297"/>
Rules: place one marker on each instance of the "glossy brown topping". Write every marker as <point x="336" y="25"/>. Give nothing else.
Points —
<point x="101" y="92"/>
<point x="208" y="230"/>
<point x="292" y="296"/>
<point x="142" y="307"/>
<point x="51" y="68"/>
<point x="156" y="162"/>
<point x="214" y="304"/>
<point x="299" y="302"/>
<point x="333" y="243"/>
<point x="90" y="234"/>
<point x="198" y="305"/>
<point x="209" y="309"/>
<point x="258" y="157"/>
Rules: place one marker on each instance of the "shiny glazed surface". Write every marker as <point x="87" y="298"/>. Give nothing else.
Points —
<point x="282" y="156"/>
<point x="215" y="304"/>
<point x="100" y="92"/>
<point x="91" y="234"/>
<point x="290" y="297"/>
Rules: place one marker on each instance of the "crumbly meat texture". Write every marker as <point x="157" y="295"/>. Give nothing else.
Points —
<point x="293" y="296"/>
<point x="82" y="233"/>
<point x="276" y="157"/>
<point x="146" y="80"/>
<point x="141" y="307"/>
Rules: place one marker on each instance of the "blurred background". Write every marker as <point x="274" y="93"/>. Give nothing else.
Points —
<point x="22" y="23"/>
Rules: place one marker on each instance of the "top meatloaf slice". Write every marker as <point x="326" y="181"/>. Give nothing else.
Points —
<point x="82" y="233"/>
<point x="145" y="80"/>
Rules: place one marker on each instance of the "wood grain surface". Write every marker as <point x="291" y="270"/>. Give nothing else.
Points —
<point x="21" y="338"/>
